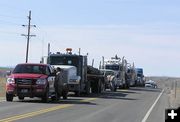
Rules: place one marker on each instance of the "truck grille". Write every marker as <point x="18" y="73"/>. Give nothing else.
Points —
<point x="25" y="81"/>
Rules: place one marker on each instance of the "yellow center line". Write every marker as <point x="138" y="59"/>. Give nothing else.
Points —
<point x="87" y="100"/>
<point x="125" y="90"/>
<point x="42" y="111"/>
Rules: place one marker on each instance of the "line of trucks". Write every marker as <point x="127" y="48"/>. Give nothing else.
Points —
<point x="78" y="76"/>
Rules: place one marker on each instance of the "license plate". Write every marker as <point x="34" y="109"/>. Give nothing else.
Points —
<point x="24" y="90"/>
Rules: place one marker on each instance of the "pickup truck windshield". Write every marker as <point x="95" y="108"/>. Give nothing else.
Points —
<point x="34" y="69"/>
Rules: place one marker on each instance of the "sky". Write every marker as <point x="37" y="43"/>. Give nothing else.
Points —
<point x="146" y="32"/>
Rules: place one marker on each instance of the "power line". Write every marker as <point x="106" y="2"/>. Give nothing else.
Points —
<point x="8" y="22"/>
<point x="8" y="32"/>
<point x="9" y="16"/>
<point x="28" y="34"/>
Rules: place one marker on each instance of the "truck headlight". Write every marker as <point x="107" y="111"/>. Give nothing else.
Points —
<point x="10" y="80"/>
<point x="41" y="81"/>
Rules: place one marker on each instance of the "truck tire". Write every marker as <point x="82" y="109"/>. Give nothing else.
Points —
<point x="9" y="97"/>
<point x="94" y="87"/>
<point x="88" y="88"/>
<point x="45" y="97"/>
<point x="111" y="86"/>
<point x="102" y="87"/>
<point x="77" y="93"/>
<point x="55" y="97"/>
<point x="20" y="97"/>
<point x="64" y="95"/>
<point x="115" y="88"/>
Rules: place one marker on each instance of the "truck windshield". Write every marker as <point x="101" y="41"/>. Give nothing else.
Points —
<point x="109" y="73"/>
<point x="112" y="67"/>
<point x="34" y="69"/>
<point x="63" y="60"/>
<point x="139" y="71"/>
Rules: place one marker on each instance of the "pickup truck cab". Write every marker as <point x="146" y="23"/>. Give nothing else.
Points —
<point x="30" y="80"/>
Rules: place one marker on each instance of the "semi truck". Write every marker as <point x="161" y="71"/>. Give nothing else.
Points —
<point x="131" y="75"/>
<point x="110" y="79"/>
<point x="91" y="80"/>
<point x="140" y="77"/>
<point x="120" y="67"/>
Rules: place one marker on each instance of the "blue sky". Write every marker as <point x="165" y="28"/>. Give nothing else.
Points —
<point x="144" y="31"/>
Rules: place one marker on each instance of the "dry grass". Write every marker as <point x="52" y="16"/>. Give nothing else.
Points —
<point x="2" y="86"/>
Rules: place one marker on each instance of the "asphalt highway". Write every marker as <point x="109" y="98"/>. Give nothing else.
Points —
<point x="134" y="105"/>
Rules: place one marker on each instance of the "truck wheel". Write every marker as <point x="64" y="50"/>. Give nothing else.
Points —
<point x="20" y="97"/>
<point x="77" y="93"/>
<point x="9" y="97"/>
<point x="88" y="88"/>
<point x="111" y="86"/>
<point x="45" y="98"/>
<point x="115" y="88"/>
<point x="64" y="94"/>
<point x="94" y="87"/>
<point x="55" y="97"/>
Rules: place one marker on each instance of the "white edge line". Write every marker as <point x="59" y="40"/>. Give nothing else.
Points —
<point x="149" y="111"/>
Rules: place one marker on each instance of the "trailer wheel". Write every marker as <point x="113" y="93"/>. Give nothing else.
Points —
<point x="9" y="97"/>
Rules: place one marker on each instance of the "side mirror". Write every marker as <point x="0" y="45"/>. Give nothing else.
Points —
<point x="8" y="72"/>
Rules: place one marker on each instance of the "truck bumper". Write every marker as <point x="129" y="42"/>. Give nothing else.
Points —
<point x="26" y="90"/>
<point x="73" y="87"/>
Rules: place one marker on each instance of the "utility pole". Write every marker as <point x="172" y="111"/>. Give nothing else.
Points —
<point x="49" y="47"/>
<point x="28" y="34"/>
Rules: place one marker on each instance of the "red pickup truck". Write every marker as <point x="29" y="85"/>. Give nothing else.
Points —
<point x="30" y="80"/>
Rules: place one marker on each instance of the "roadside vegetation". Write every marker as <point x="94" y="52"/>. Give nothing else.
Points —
<point x="2" y="86"/>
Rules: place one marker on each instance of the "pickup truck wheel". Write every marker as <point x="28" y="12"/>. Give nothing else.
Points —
<point x="45" y="98"/>
<point x="20" y="98"/>
<point x="9" y="97"/>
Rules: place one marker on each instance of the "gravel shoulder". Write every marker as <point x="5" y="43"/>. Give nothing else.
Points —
<point x="172" y="89"/>
<point x="2" y="86"/>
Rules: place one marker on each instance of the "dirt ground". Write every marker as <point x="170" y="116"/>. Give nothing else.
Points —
<point x="2" y="87"/>
<point x="172" y="88"/>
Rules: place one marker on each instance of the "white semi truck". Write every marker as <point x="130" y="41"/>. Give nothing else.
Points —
<point x="120" y="67"/>
<point x="86" y="79"/>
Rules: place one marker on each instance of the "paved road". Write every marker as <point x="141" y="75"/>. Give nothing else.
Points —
<point x="122" y="106"/>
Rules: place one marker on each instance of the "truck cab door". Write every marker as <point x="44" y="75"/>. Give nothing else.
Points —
<point x="51" y="80"/>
